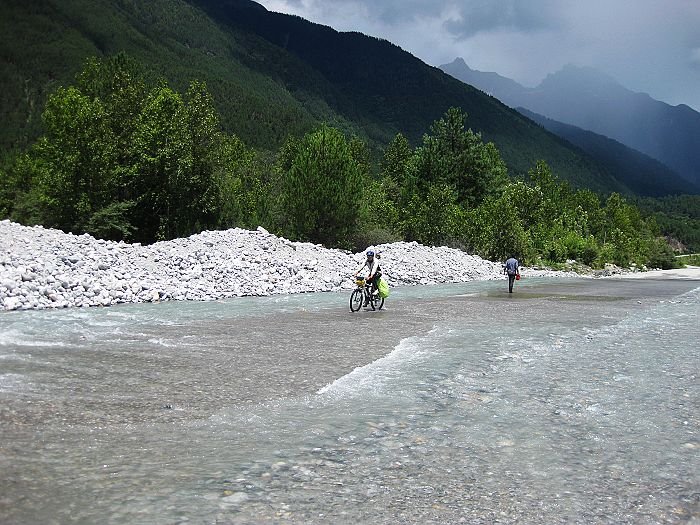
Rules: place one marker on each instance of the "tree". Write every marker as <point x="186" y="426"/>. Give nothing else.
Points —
<point x="627" y="237"/>
<point x="495" y="229"/>
<point x="459" y="158"/>
<point x="119" y="83"/>
<point x="322" y="188"/>
<point x="75" y="159"/>
<point x="247" y="200"/>
<point x="396" y="163"/>
<point x="203" y="138"/>
<point x="161" y="164"/>
<point x="435" y="218"/>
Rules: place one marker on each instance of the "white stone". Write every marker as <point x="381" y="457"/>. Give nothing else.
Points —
<point x="207" y="266"/>
<point x="12" y="303"/>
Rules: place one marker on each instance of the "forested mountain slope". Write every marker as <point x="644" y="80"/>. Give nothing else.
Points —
<point x="44" y="43"/>
<point x="648" y="177"/>
<point x="270" y="75"/>
<point x="387" y="90"/>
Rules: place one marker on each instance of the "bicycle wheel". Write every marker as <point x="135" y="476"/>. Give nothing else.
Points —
<point x="379" y="302"/>
<point x="356" y="300"/>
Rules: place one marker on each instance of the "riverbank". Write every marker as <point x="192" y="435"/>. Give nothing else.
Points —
<point x="44" y="268"/>
<point x="689" y="272"/>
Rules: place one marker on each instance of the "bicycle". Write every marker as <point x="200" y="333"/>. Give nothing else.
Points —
<point x="362" y="294"/>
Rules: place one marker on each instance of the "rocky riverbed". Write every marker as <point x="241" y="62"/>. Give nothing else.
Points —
<point x="46" y="268"/>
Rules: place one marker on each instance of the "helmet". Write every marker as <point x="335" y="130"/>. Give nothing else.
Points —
<point x="370" y="253"/>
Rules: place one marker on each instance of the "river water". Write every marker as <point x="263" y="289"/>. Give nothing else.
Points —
<point x="569" y="401"/>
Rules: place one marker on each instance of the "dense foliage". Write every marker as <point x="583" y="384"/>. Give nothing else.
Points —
<point x="122" y="157"/>
<point x="678" y="217"/>
<point x="44" y="43"/>
<point x="270" y="76"/>
<point x="322" y="181"/>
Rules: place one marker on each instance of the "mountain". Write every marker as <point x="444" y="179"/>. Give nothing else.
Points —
<point x="44" y="44"/>
<point x="590" y="100"/>
<point x="648" y="177"/>
<point x="270" y="75"/>
<point x="504" y="89"/>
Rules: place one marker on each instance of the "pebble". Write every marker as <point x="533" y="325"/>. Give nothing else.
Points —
<point x="43" y="268"/>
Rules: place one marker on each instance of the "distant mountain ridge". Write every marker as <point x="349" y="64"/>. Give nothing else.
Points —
<point x="590" y="100"/>
<point x="271" y="75"/>
<point x="647" y="176"/>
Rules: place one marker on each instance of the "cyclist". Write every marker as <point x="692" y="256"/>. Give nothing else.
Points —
<point x="375" y="273"/>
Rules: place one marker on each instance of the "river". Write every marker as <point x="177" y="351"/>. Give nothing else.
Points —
<point x="569" y="401"/>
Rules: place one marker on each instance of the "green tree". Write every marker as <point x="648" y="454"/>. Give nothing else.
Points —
<point x="627" y="237"/>
<point x="75" y="160"/>
<point x="396" y="165"/>
<point x="435" y="218"/>
<point x="161" y="164"/>
<point x="459" y="158"/>
<point x="21" y="192"/>
<point x="322" y="188"/>
<point x="204" y="137"/>
<point x="119" y="83"/>
<point x="495" y="229"/>
<point x="247" y="198"/>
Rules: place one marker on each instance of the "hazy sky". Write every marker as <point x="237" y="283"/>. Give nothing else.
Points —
<point x="649" y="46"/>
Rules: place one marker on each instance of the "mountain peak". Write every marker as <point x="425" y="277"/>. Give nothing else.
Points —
<point x="578" y="76"/>
<point x="589" y="99"/>
<point x="459" y="62"/>
<point x="492" y="83"/>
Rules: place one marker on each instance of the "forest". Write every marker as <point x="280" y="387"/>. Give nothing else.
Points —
<point x="124" y="157"/>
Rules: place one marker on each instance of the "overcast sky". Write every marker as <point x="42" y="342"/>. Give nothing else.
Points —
<point x="649" y="46"/>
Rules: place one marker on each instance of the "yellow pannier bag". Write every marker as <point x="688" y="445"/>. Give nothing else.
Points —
<point x="383" y="288"/>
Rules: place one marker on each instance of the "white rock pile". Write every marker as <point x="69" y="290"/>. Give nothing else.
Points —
<point x="46" y="268"/>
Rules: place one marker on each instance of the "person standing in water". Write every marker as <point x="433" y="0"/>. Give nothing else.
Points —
<point x="512" y="268"/>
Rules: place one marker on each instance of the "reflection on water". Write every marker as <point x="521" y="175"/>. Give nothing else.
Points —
<point x="567" y="402"/>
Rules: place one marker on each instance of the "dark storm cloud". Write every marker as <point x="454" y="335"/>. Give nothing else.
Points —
<point x="513" y="15"/>
<point x="394" y="12"/>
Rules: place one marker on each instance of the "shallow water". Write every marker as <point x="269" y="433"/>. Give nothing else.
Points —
<point x="569" y="401"/>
